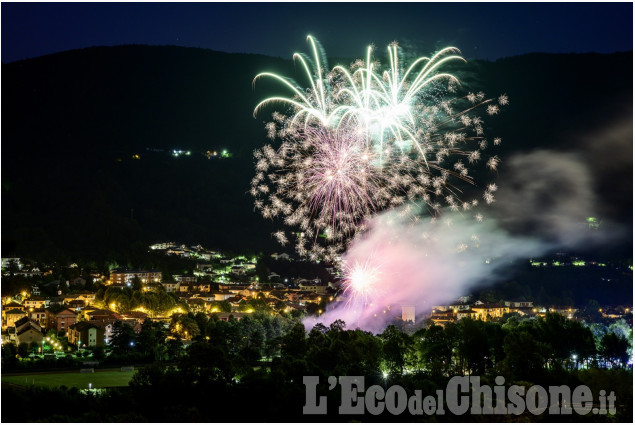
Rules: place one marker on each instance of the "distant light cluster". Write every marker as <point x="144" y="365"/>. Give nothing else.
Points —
<point x="357" y="141"/>
<point x="177" y="152"/>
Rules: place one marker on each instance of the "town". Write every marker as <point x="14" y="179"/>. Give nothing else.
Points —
<point x="186" y="322"/>
<point x="45" y="316"/>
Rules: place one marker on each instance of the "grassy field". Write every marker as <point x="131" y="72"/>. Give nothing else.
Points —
<point x="99" y="379"/>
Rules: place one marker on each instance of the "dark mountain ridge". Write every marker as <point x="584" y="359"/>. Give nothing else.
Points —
<point x="73" y="121"/>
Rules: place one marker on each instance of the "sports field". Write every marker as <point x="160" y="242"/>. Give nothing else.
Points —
<point x="99" y="379"/>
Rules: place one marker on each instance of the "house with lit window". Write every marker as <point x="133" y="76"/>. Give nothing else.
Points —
<point x="208" y="298"/>
<point x="466" y="314"/>
<point x="567" y="311"/>
<point x="456" y="306"/>
<point x="314" y="286"/>
<point x="519" y="303"/>
<point x="29" y="334"/>
<point x="87" y="296"/>
<point x="171" y="286"/>
<point x="234" y="289"/>
<point x="125" y="276"/>
<point x="222" y="295"/>
<point x="76" y="305"/>
<point x="62" y="320"/>
<point x="204" y="287"/>
<point x="102" y="314"/>
<point x="104" y="318"/>
<point x="189" y="279"/>
<point x="10" y="305"/>
<point x="12" y="316"/>
<point x="38" y="315"/>
<point x="86" y="334"/>
<point x="24" y="322"/>
<point x="25" y="330"/>
<point x="612" y="313"/>
<point x="490" y="311"/>
<point x="442" y="318"/>
<point x="305" y="297"/>
<point x="162" y="246"/>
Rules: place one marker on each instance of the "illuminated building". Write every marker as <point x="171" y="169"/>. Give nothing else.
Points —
<point x="124" y="276"/>
<point x="86" y="334"/>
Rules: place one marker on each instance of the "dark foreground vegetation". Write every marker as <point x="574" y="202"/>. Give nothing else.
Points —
<point x="252" y="370"/>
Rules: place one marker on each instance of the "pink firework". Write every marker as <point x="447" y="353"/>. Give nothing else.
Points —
<point x="327" y="183"/>
<point x="340" y="181"/>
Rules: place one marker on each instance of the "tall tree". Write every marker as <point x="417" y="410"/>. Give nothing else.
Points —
<point x="395" y="349"/>
<point x="614" y="349"/>
<point x="123" y="338"/>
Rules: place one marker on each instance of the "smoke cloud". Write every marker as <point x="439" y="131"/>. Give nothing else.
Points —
<point x="549" y="196"/>
<point x="542" y="206"/>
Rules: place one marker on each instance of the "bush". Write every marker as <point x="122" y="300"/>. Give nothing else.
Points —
<point x="23" y="350"/>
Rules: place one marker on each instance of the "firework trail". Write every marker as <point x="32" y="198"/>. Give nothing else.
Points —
<point x="357" y="141"/>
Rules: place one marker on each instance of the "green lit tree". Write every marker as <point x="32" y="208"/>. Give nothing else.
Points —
<point x="395" y="349"/>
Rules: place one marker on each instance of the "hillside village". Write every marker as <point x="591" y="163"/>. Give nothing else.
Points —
<point x="84" y="317"/>
<point x="82" y="312"/>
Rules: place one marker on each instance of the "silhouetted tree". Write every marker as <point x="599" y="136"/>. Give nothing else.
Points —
<point x="614" y="349"/>
<point x="123" y="338"/>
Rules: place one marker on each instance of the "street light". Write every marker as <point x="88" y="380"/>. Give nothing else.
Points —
<point x="574" y="357"/>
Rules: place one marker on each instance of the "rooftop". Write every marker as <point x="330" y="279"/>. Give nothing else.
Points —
<point x="82" y="326"/>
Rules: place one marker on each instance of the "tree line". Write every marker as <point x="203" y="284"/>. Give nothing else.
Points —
<point x="252" y="369"/>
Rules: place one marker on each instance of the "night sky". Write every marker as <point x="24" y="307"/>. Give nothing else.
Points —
<point x="480" y="30"/>
<point x="551" y="105"/>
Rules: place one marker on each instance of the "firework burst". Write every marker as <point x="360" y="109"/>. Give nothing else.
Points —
<point x="359" y="140"/>
<point x="362" y="283"/>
